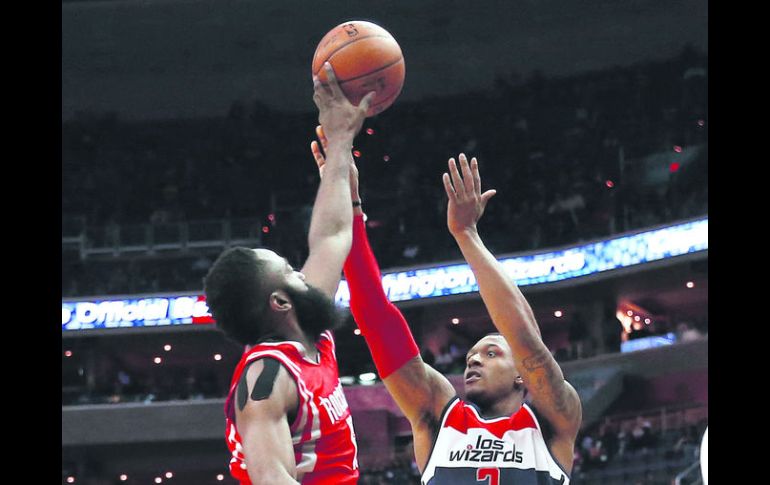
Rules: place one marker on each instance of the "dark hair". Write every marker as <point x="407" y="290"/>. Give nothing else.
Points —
<point x="236" y="294"/>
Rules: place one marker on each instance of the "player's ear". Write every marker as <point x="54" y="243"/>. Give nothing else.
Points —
<point x="518" y="383"/>
<point x="279" y="301"/>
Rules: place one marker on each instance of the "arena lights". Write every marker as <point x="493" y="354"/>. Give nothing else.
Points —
<point x="630" y="313"/>
<point x="370" y="131"/>
<point x="690" y="284"/>
<point x="123" y="477"/>
<point x="558" y="314"/>
<point x="67" y="353"/>
<point x="609" y="183"/>
<point x="356" y="153"/>
<point x="347" y="380"/>
<point x="637" y="318"/>
<point x="217" y="356"/>
<point x="357" y="331"/>
<point x="70" y="479"/>
<point x="158" y="480"/>
<point x="367" y="377"/>
<point x="677" y="149"/>
<point x="169" y="475"/>
<point x="455" y="321"/>
<point x="157" y="360"/>
<point x="386" y="158"/>
<point x="167" y="348"/>
<point x="543" y="267"/>
<point x="220" y="477"/>
<point x="647" y="321"/>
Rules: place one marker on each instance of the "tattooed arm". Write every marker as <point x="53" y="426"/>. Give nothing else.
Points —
<point x="553" y="397"/>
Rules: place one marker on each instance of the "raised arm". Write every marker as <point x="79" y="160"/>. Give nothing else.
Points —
<point x="329" y="237"/>
<point x="420" y="391"/>
<point x="266" y="397"/>
<point x="552" y="396"/>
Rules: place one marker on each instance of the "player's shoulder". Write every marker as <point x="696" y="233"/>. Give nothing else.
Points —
<point x="269" y="381"/>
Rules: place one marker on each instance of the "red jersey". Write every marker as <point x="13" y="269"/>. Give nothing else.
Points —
<point x="325" y="449"/>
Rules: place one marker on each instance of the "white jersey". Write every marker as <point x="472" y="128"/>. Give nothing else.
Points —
<point x="470" y="450"/>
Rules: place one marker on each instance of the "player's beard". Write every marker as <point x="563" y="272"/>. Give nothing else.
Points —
<point x="315" y="311"/>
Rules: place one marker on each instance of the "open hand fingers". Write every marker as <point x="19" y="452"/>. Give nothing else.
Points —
<point x="317" y="155"/>
<point x="476" y="176"/>
<point x="336" y="91"/>
<point x="450" y="191"/>
<point x="319" y="131"/>
<point x="467" y="175"/>
<point x="457" y="180"/>
<point x="367" y="101"/>
<point x="319" y="92"/>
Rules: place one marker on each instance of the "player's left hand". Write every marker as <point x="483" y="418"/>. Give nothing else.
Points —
<point x="466" y="202"/>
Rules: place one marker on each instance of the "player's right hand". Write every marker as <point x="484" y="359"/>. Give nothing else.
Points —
<point x="341" y="120"/>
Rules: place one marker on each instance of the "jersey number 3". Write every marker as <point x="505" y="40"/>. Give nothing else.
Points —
<point x="493" y="474"/>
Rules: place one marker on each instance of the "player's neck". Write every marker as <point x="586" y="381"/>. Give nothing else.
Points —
<point x="294" y="332"/>
<point x="504" y="407"/>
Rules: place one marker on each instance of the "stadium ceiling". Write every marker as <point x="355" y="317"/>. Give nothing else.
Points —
<point x="158" y="59"/>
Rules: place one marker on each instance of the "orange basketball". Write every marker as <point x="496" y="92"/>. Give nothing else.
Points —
<point x="365" y="58"/>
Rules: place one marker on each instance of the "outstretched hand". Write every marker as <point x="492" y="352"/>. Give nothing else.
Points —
<point x="341" y="120"/>
<point x="320" y="161"/>
<point x="466" y="202"/>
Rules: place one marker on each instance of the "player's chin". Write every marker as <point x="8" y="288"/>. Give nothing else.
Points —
<point x="473" y="391"/>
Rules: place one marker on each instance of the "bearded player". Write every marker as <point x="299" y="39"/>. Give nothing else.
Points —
<point x="287" y="420"/>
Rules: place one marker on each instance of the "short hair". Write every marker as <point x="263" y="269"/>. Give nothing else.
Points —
<point x="236" y="294"/>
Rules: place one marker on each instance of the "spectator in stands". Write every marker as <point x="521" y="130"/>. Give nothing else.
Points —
<point x="642" y="438"/>
<point x="444" y="360"/>
<point x="686" y="332"/>
<point x="609" y="438"/>
<point x="578" y="337"/>
<point x="278" y="388"/>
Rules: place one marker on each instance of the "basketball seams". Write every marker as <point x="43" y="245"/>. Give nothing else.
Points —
<point x="331" y="54"/>
<point x="400" y="59"/>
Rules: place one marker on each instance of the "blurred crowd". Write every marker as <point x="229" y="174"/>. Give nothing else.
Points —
<point x="614" y="444"/>
<point x="572" y="159"/>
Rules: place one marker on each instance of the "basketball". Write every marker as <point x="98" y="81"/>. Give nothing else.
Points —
<point x="365" y="57"/>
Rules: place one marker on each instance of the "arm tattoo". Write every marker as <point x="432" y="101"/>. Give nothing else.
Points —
<point x="537" y="360"/>
<point x="558" y="392"/>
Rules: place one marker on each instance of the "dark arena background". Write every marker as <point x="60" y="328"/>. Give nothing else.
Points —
<point x="186" y="127"/>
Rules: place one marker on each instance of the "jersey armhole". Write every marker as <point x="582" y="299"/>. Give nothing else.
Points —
<point x="441" y="421"/>
<point x="547" y="431"/>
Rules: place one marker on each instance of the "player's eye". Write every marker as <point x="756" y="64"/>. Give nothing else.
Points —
<point x="491" y="353"/>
